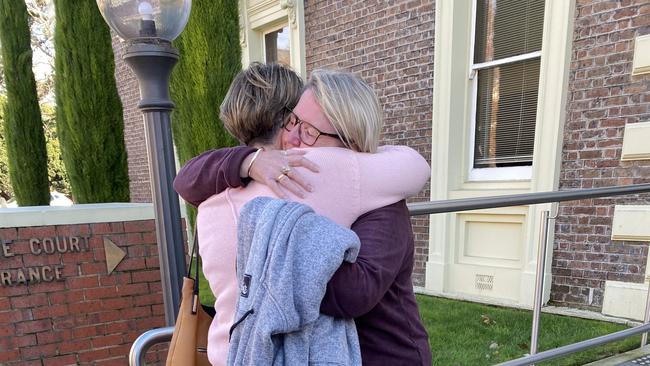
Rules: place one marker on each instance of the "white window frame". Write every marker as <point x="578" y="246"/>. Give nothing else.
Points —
<point x="259" y="17"/>
<point x="272" y="29"/>
<point x="452" y="98"/>
<point x="517" y="173"/>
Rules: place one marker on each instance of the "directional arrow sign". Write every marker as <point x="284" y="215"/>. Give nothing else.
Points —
<point x="114" y="255"/>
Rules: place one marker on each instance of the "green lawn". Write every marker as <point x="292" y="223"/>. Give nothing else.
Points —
<point x="464" y="333"/>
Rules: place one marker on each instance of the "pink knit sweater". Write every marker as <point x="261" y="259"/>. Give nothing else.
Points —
<point x="349" y="184"/>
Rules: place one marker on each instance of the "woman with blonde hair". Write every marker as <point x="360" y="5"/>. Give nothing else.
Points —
<point x="358" y="185"/>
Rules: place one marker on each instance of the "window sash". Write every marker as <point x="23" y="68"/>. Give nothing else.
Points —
<point x="503" y="131"/>
<point x="270" y="41"/>
<point x="501" y="31"/>
<point x="506" y="113"/>
<point x="505" y="61"/>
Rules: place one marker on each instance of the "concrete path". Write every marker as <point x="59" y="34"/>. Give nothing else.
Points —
<point x="634" y="357"/>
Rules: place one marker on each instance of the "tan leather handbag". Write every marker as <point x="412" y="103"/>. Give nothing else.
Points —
<point x="190" y="340"/>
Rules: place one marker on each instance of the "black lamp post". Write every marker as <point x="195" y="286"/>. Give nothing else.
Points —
<point x="149" y="27"/>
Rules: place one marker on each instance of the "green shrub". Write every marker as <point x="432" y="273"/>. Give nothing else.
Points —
<point x="89" y="111"/>
<point x="6" y="191"/>
<point x="210" y="59"/>
<point x="22" y="124"/>
<point x="55" y="167"/>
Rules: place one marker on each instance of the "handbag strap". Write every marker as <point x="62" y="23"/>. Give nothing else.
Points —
<point x="195" y="291"/>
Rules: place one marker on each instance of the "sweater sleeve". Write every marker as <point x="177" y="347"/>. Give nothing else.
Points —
<point x="357" y="287"/>
<point x="392" y="174"/>
<point x="211" y="173"/>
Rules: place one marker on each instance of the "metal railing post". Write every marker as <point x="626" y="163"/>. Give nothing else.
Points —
<point x="646" y="318"/>
<point x="539" y="281"/>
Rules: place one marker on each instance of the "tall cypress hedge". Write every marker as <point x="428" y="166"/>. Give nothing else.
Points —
<point x="210" y="59"/>
<point x="89" y="111"/>
<point x="23" y="126"/>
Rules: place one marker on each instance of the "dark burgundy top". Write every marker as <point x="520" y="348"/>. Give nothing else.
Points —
<point x="376" y="290"/>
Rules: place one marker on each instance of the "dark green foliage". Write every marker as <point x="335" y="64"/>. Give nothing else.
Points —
<point x="55" y="167"/>
<point x="23" y="128"/>
<point x="210" y="59"/>
<point x="89" y="111"/>
<point x="6" y="191"/>
<point x="55" y="170"/>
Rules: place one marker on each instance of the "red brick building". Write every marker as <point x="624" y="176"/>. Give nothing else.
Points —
<point x="459" y="80"/>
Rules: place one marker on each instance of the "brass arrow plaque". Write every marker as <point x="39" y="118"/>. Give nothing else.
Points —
<point x="114" y="255"/>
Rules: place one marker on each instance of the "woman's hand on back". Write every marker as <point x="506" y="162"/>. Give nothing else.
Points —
<point x="274" y="168"/>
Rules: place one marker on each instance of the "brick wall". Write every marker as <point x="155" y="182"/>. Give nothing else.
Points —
<point x="603" y="98"/>
<point x="134" y="138"/>
<point x="390" y="45"/>
<point x="85" y="317"/>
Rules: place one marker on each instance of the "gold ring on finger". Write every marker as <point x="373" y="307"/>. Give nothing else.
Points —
<point x="280" y="177"/>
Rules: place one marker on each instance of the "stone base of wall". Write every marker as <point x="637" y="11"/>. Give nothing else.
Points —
<point x="625" y="300"/>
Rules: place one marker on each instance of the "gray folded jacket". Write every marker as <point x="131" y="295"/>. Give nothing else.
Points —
<point x="286" y="254"/>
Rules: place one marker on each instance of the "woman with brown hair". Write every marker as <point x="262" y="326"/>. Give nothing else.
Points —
<point x="339" y="114"/>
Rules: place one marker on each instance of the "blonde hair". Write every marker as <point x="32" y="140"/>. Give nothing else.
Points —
<point x="256" y="103"/>
<point x="351" y="106"/>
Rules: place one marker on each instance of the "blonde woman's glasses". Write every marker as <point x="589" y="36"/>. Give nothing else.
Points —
<point x="308" y="133"/>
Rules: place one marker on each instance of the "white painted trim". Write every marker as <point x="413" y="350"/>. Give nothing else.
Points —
<point x="553" y="89"/>
<point x="264" y="16"/>
<point x="501" y="174"/>
<point x="472" y="129"/>
<point x="641" y="61"/>
<point x="635" y="141"/>
<point x="630" y="223"/>
<point x="472" y="44"/>
<point x="445" y="174"/>
<point x="625" y="299"/>
<point x="507" y="60"/>
<point x="452" y="119"/>
<point x="76" y="214"/>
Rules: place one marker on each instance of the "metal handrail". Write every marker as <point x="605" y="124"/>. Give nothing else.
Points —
<point x="145" y="341"/>
<point x="466" y="204"/>
<point x="577" y="347"/>
<point x="152" y="337"/>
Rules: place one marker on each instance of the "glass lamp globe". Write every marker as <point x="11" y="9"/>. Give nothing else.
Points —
<point x="133" y="19"/>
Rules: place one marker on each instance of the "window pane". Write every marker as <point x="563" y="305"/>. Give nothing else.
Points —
<point x="505" y="114"/>
<point x="277" y="46"/>
<point x="507" y="28"/>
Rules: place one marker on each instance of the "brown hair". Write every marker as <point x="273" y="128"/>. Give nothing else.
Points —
<point x="256" y="103"/>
